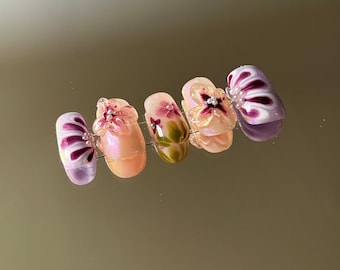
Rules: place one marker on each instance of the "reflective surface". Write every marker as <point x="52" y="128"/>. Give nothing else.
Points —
<point x="272" y="205"/>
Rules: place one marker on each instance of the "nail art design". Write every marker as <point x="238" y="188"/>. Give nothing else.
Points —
<point x="168" y="129"/>
<point x="259" y="108"/>
<point x="121" y="139"/>
<point x="76" y="148"/>
<point x="210" y="115"/>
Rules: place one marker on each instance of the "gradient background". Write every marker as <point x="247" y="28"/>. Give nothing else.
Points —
<point x="272" y="205"/>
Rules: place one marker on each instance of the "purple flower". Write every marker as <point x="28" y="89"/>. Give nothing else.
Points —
<point x="154" y="123"/>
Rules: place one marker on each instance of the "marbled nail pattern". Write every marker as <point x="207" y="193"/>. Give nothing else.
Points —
<point x="260" y="110"/>
<point x="76" y="148"/>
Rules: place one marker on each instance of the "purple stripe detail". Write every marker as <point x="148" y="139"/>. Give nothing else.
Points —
<point x="76" y="154"/>
<point x="70" y="140"/>
<point x="90" y="156"/>
<point x="251" y="113"/>
<point x="242" y="76"/>
<point x="79" y="120"/>
<point x="254" y="84"/>
<point x="262" y="100"/>
<point x="229" y="78"/>
<point x="71" y="126"/>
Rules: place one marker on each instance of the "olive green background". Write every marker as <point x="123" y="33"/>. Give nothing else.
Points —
<point x="257" y="206"/>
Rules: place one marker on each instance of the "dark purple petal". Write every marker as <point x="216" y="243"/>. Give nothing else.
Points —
<point x="80" y="121"/>
<point x="70" y="140"/>
<point x="229" y="78"/>
<point x="71" y="126"/>
<point x="263" y="100"/>
<point x="76" y="154"/>
<point x="242" y="76"/>
<point x="90" y="156"/>
<point x="254" y="84"/>
<point x="252" y="113"/>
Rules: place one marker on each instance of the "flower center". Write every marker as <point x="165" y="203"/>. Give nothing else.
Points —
<point x="109" y="115"/>
<point x="169" y="107"/>
<point x="212" y="101"/>
<point x="237" y="97"/>
<point x="88" y="138"/>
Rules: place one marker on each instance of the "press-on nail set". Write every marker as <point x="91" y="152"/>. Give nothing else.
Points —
<point x="210" y="116"/>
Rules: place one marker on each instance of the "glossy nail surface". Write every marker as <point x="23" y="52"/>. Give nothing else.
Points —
<point x="121" y="139"/>
<point x="210" y="115"/>
<point x="260" y="110"/>
<point x="76" y="148"/>
<point x="167" y="126"/>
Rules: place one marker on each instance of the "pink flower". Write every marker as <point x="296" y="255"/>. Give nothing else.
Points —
<point x="167" y="109"/>
<point x="113" y="115"/>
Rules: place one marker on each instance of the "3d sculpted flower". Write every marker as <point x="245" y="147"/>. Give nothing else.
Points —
<point x="213" y="107"/>
<point x="113" y="115"/>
